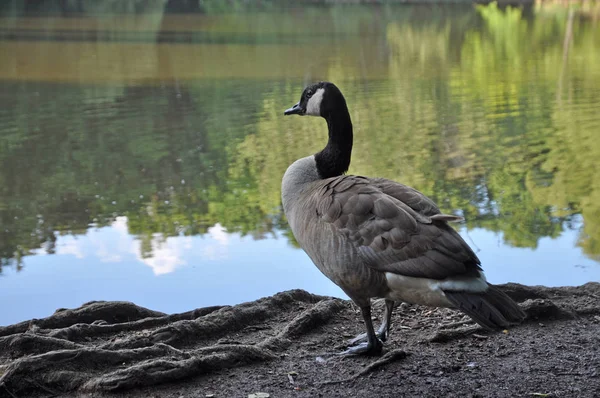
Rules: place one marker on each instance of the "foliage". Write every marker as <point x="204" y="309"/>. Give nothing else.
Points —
<point x="484" y="110"/>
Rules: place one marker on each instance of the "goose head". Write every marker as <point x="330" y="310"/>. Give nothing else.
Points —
<point x="319" y="99"/>
<point x="326" y="100"/>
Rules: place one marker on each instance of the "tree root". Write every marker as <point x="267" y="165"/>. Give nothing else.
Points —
<point x="387" y="358"/>
<point x="545" y="309"/>
<point x="307" y="321"/>
<point x="108" y="311"/>
<point x="535" y="309"/>
<point x="445" y="335"/>
<point x="17" y="345"/>
<point x="521" y="293"/>
<point x="80" y="331"/>
<point x="104" y="346"/>
<point x="225" y="320"/>
<point x="589" y="310"/>
<point x="104" y="360"/>
<point x="151" y="372"/>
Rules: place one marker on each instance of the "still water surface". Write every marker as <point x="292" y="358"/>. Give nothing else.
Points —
<point x="141" y="153"/>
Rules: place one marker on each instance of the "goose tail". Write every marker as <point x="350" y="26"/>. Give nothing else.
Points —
<point x="491" y="308"/>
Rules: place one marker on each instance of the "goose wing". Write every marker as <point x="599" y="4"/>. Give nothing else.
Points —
<point x="409" y="196"/>
<point x="395" y="228"/>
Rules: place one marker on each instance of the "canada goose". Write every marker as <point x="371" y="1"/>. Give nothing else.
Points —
<point x="374" y="237"/>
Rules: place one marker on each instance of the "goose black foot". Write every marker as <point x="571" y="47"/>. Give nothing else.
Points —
<point x="362" y="338"/>
<point x="372" y="345"/>
<point x="365" y="348"/>
<point x="383" y="331"/>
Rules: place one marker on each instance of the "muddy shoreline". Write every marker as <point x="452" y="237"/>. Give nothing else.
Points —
<point x="279" y="345"/>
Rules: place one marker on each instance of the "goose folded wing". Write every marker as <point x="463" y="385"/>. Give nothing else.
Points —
<point x="391" y="235"/>
<point x="413" y="199"/>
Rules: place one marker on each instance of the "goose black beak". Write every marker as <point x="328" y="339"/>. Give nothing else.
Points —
<point x="294" y="110"/>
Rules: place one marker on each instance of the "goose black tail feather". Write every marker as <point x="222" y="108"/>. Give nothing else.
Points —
<point x="491" y="309"/>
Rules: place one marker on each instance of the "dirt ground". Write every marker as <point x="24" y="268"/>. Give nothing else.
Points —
<point x="280" y="346"/>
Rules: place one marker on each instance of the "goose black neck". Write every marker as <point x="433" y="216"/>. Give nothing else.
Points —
<point x="334" y="159"/>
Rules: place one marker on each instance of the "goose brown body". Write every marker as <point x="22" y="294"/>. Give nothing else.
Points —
<point x="374" y="237"/>
<point x="368" y="228"/>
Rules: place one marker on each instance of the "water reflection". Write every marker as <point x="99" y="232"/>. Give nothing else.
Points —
<point x="166" y="129"/>
<point x="186" y="272"/>
<point x="182" y="273"/>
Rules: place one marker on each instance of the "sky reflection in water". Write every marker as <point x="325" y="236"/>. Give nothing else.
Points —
<point x="221" y="268"/>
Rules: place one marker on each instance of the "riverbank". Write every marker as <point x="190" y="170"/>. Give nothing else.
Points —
<point x="278" y="345"/>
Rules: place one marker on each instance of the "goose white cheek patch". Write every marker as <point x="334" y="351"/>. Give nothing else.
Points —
<point x="313" y="107"/>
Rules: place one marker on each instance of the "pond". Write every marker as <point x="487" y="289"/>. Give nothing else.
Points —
<point x="142" y="148"/>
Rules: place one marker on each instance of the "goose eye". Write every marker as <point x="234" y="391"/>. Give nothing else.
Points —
<point x="309" y="94"/>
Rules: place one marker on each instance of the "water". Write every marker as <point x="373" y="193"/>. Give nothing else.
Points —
<point x="141" y="150"/>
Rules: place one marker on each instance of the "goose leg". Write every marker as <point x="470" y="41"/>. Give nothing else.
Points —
<point x="384" y="330"/>
<point x="373" y="346"/>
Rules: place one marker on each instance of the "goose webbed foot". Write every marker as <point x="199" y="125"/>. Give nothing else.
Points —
<point x="362" y="338"/>
<point x="383" y="331"/>
<point x="373" y="345"/>
<point x="364" y="348"/>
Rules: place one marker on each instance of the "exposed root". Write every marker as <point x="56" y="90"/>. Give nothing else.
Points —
<point x="46" y="360"/>
<point x="590" y="310"/>
<point x="452" y="325"/>
<point x="225" y="320"/>
<point x="80" y="331"/>
<point x="535" y="309"/>
<point x="307" y="321"/>
<point x="108" y="311"/>
<point x="104" y="346"/>
<point x="521" y="293"/>
<point x="18" y="345"/>
<point x="151" y="372"/>
<point x="444" y="335"/>
<point x="387" y="358"/>
<point x="77" y="364"/>
<point x="544" y="309"/>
